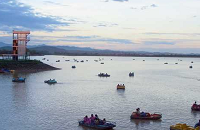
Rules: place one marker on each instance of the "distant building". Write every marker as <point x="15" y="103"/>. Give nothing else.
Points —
<point x="20" y="40"/>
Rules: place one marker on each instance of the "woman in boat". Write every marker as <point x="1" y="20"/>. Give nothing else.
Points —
<point x="92" y="118"/>
<point x="86" y="120"/>
<point x="197" y="124"/>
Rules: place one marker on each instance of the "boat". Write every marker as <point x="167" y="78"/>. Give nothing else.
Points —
<point x="192" y="62"/>
<point x="165" y="63"/>
<point x="103" y="75"/>
<point x="190" y="67"/>
<point x="82" y="61"/>
<point x="1" y="71"/>
<point x="195" y="107"/>
<point x="146" y="116"/>
<point x="108" y="125"/>
<point x="73" y="67"/>
<point x="176" y="63"/>
<point x="58" y="61"/>
<point x="180" y="126"/>
<point x="102" y="63"/>
<point x="131" y="74"/>
<point x="50" y="81"/>
<point x="120" y="86"/>
<point x="19" y="80"/>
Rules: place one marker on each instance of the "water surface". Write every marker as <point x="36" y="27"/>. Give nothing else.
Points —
<point x="157" y="87"/>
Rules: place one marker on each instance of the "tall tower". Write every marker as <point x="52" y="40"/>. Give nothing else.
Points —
<point x="20" y="40"/>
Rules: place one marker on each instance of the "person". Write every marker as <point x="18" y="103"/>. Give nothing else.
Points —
<point x="194" y="105"/>
<point x="85" y="119"/>
<point x="138" y="111"/>
<point x="96" y="120"/>
<point x="92" y="119"/>
<point x="197" y="124"/>
<point x="104" y="121"/>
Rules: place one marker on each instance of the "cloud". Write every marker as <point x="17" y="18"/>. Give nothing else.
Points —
<point x="144" y="7"/>
<point x="153" y="5"/>
<point x="54" y="3"/>
<point x="106" y="25"/>
<point x="95" y="38"/>
<point x="185" y="34"/>
<point x="17" y="15"/>
<point x="159" y="42"/>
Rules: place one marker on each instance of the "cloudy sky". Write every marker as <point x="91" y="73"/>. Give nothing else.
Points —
<point x="130" y="25"/>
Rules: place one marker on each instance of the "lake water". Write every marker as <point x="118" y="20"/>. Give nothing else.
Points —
<point x="157" y="87"/>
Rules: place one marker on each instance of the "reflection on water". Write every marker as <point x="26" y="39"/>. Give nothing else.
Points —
<point x="34" y="105"/>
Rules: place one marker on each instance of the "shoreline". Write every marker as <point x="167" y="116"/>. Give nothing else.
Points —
<point x="26" y="66"/>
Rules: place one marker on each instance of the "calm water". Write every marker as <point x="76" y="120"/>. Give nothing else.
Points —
<point x="156" y="87"/>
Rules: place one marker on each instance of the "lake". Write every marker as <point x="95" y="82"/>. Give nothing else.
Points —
<point x="170" y="89"/>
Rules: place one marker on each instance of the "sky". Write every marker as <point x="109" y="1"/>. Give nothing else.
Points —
<point x="127" y="25"/>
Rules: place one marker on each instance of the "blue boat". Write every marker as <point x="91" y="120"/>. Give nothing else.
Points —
<point x="108" y="125"/>
<point x="103" y="75"/>
<point x="20" y="80"/>
<point x="131" y="74"/>
<point x="51" y="81"/>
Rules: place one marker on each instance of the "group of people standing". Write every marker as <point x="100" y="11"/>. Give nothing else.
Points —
<point x="94" y="120"/>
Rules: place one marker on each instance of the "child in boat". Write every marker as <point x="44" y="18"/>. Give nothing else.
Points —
<point x="197" y="124"/>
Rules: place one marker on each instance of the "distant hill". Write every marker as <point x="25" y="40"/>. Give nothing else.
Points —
<point x="78" y="51"/>
<point x="2" y="44"/>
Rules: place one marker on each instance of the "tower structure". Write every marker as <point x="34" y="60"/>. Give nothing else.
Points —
<point x="20" y="40"/>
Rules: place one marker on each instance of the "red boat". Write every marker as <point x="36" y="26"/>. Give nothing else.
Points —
<point x="146" y="116"/>
<point x="195" y="107"/>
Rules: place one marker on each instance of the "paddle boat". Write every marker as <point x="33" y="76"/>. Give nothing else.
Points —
<point x="146" y="116"/>
<point x="103" y="75"/>
<point x="73" y="67"/>
<point x="183" y="127"/>
<point x="50" y="81"/>
<point x="120" y="86"/>
<point x="19" y="80"/>
<point x="105" y="126"/>
<point x="131" y="74"/>
<point x="195" y="107"/>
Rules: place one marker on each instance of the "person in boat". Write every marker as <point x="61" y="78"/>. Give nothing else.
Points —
<point x="86" y="120"/>
<point x="96" y="120"/>
<point x="142" y="114"/>
<point x="104" y="121"/>
<point x="197" y="124"/>
<point x="92" y="118"/>
<point x="138" y="111"/>
<point x="195" y="104"/>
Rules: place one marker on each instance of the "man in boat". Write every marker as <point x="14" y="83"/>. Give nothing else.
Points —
<point x="197" y="124"/>
<point x="138" y="111"/>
